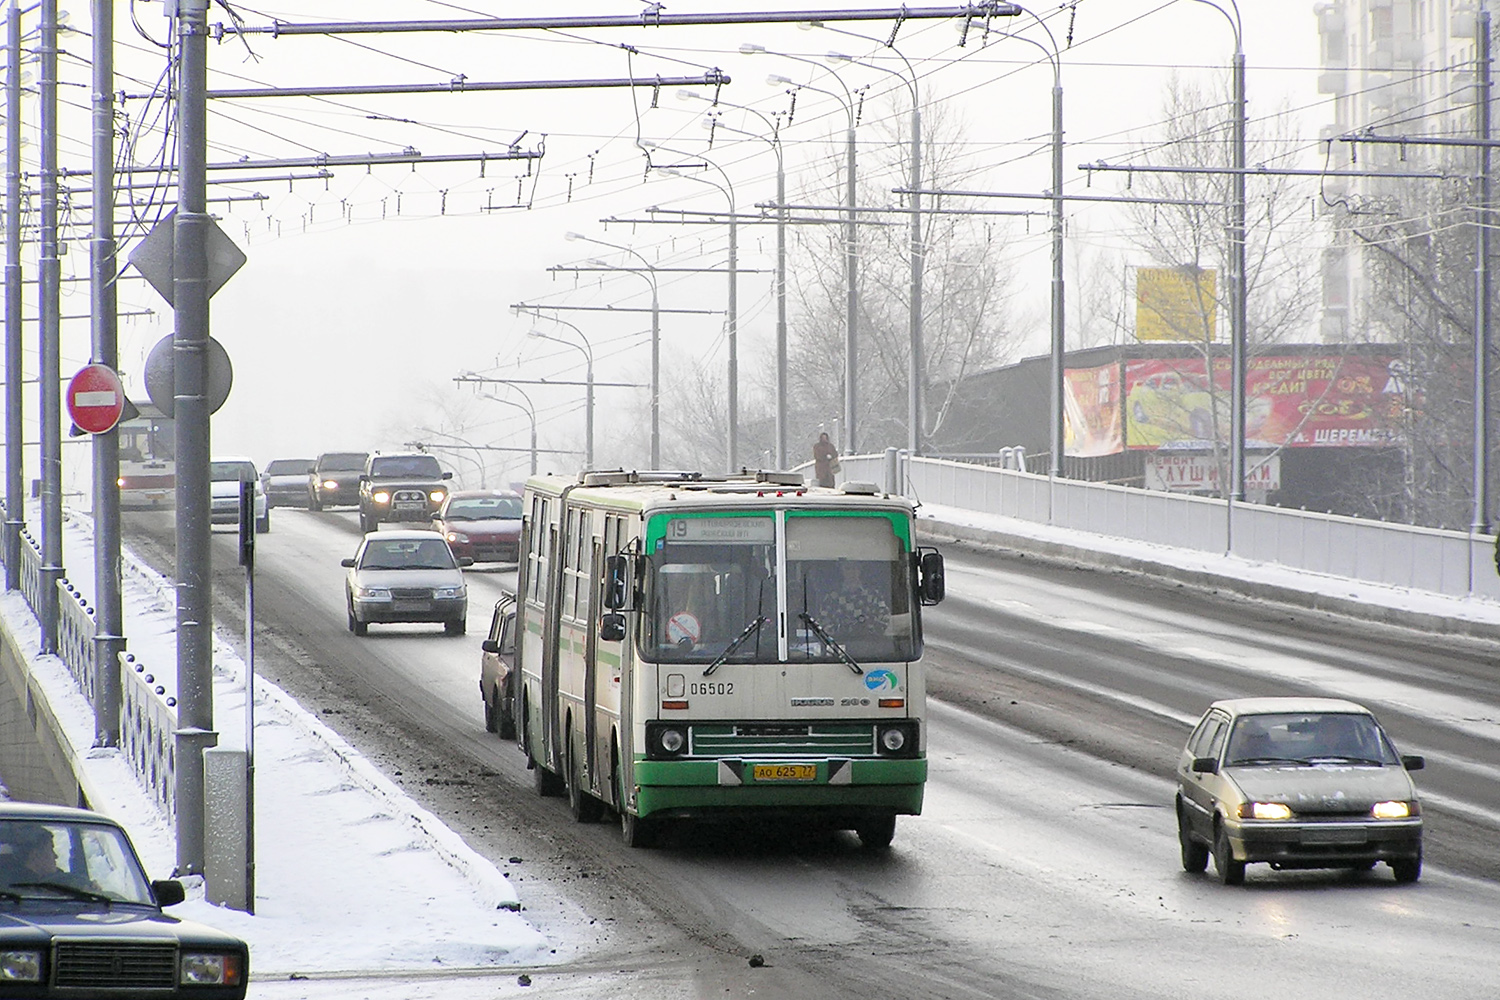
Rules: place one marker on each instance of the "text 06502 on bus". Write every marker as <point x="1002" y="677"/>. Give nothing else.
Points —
<point x="709" y="649"/>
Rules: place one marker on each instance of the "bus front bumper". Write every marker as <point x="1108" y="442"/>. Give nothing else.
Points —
<point x="728" y="785"/>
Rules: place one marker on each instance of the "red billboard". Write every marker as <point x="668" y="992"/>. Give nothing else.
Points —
<point x="1308" y="401"/>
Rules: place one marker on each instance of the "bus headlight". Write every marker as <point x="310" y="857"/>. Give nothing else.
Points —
<point x="897" y="739"/>
<point x="665" y="740"/>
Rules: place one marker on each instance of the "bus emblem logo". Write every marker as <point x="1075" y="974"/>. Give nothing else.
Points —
<point x="875" y="680"/>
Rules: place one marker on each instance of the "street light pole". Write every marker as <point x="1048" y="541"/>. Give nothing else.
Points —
<point x="650" y="276"/>
<point x="529" y="409"/>
<point x="588" y="354"/>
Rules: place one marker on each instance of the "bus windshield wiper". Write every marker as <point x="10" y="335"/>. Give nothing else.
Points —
<point x="822" y="633"/>
<point x="739" y="641"/>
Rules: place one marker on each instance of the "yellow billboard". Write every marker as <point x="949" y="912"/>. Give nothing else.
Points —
<point x="1176" y="303"/>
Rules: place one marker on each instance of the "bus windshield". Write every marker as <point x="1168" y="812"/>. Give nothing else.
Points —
<point x="712" y="579"/>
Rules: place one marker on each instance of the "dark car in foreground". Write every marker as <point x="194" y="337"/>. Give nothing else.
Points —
<point x="285" y="481"/>
<point x="1297" y="783"/>
<point x="407" y="487"/>
<point x="484" y="525"/>
<point x="334" y="480"/>
<point x="406" y="576"/>
<point x="78" y="917"/>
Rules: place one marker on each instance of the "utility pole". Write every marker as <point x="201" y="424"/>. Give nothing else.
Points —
<point x="15" y="492"/>
<point x="49" y="274"/>
<point x="1481" y="520"/>
<point x="195" y="705"/>
<point x="109" y="616"/>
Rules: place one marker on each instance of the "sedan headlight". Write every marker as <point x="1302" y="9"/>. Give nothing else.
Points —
<point x="457" y="536"/>
<point x="1393" y="810"/>
<point x="449" y="593"/>
<point x="210" y="969"/>
<point x="1265" y="810"/>
<point x="373" y="593"/>
<point x="330" y="484"/>
<point x="437" y="496"/>
<point x="381" y="496"/>
<point x="20" y="966"/>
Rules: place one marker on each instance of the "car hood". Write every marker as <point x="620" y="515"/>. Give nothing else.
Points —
<point x="410" y="578"/>
<point x="486" y="526"/>
<point x="406" y="483"/>
<point x="38" y="918"/>
<point x="222" y="488"/>
<point x="1336" y="787"/>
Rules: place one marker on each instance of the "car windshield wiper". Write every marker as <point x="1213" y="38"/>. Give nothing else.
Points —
<point x="828" y="640"/>
<point x="1347" y="760"/>
<point x="14" y="897"/>
<point x="739" y="641"/>
<point x="1253" y="761"/>
<point x="68" y="890"/>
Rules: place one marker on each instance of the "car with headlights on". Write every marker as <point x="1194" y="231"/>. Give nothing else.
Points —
<point x="334" y="480"/>
<point x="484" y="525"/>
<point x="1296" y="783"/>
<point x="79" y="918"/>
<point x="285" y="481"/>
<point x="406" y="575"/>
<point x="225" y="476"/>
<point x="408" y="487"/>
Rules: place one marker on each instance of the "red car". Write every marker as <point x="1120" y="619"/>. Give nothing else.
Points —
<point x="484" y="525"/>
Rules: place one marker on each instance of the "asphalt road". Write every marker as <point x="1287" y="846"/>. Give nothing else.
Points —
<point x="1045" y="863"/>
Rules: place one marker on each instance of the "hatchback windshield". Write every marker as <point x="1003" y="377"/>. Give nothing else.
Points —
<point x="712" y="583"/>
<point x="483" y="508"/>
<point x="65" y="860"/>
<point x="1308" y="738"/>
<point x="406" y="465"/>
<point x="221" y="472"/>
<point x="407" y="553"/>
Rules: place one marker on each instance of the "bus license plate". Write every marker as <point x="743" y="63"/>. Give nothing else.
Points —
<point x="786" y="772"/>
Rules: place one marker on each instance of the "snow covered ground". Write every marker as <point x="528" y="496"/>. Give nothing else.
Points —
<point x="360" y="891"/>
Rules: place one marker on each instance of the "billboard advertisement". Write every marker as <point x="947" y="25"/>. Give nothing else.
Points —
<point x="1091" y="412"/>
<point x="1309" y="401"/>
<point x="1176" y="303"/>
<point x="1200" y="473"/>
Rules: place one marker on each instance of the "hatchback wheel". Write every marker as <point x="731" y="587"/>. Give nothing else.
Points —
<point x="1407" y="871"/>
<point x="1231" y="872"/>
<point x="1194" y="854"/>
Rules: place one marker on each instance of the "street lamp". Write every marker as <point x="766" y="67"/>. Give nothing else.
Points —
<point x="851" y="230"/>
<point x="588" y="353"/>
<point x="650" y="275"/>
<point x="727" y="189"/>
<point x="774" y="140"/>
<point x="529" y="409"/>
<point x="914" y="376"/>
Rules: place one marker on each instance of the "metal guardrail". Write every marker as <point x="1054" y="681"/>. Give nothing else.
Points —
<point x="1447" y="563"/>
<point x="148" y="710"/>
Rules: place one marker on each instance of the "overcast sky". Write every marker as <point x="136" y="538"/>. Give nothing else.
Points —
<point x="366" y="293"/>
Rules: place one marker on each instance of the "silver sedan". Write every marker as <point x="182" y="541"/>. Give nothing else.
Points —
<point x="406" y="576"/>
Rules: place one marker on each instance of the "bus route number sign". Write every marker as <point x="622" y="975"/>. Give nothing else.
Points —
<point x="721" y="530"/>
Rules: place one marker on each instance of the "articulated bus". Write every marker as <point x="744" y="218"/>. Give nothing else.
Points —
<point x="713" y="649"/>
<point x="148" y="460"/>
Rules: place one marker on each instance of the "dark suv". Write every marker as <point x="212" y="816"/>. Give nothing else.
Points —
<point x="334" y="479"/>
<point x="407" y="487"/>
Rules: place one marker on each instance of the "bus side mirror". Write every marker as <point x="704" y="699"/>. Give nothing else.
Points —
<point x="612" y="627"/>
<point x="931" y="586"/>
<point x="617" y="582"/>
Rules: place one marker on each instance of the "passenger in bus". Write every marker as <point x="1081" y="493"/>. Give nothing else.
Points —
<point x="850" y="606"/>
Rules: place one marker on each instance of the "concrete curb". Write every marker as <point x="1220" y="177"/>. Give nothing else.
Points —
<point x="1223" y="585"/>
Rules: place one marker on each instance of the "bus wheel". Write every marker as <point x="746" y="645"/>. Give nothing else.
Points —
<point x="547" y="784"/>
<point x="876" y="832"/>
<point x="636" y="831"/>
<point x="584" y="807"/>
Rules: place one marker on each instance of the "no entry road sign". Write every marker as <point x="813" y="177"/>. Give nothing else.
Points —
<point x="96" y="398"/>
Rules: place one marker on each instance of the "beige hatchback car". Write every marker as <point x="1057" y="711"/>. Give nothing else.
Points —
<point x="1298" y="783"/>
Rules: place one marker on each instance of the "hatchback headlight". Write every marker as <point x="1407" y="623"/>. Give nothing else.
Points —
<point x="373" y="593"/>
<point x="448" y="593"/>
<point x="209" y="969"/>
<point x="1265" y="810"/>
<point x="1392" y="810"/>
<point x="457" y="536"/>
<point x="20" y="966"/>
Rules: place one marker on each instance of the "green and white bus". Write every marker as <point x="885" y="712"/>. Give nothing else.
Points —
<point x="696" y="648"/>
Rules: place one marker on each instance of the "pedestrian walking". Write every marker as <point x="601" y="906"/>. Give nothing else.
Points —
<point x="825" y="460"/>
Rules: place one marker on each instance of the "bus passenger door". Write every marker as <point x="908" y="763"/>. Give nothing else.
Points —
<point x="591" y="668"/>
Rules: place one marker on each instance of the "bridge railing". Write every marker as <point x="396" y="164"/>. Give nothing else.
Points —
<point x="1448" y="563"/>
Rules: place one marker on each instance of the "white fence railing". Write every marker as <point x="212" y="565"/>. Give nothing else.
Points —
<point x="1449" y="563"/>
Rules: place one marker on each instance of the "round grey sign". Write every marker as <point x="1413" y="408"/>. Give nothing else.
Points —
<point x="160" y="375"/>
